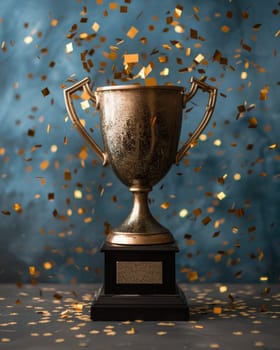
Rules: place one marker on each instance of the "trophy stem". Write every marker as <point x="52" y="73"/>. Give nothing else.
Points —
<point x="140" y="227"/>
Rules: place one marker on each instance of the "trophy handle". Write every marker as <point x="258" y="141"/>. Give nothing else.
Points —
<point x="195" y="85"/>
<point x="84" y="85"/>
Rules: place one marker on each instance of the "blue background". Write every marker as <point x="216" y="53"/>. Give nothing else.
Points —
<point x="46" y="232"/>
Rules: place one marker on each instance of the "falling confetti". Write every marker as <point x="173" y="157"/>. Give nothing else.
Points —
<point x="149" y="48"/>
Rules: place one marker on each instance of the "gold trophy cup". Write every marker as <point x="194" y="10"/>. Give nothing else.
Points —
<point x="140" y="127"/>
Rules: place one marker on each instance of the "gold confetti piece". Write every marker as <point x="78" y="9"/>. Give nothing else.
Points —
<point x="167" y="47"/>
<point x="223" y="289"/>
<point x="197" y="211"/>
<point x="131" y="58"/>
<point x="59" y="340"/>
<point x="225" y="29"/>
<point x="206" y="220"/>
<point x="69" y="48"/>
<point x="259" y="343"/>
<point x="48" y="265"/>
<point x="217" y="142"/>
<point x="87" y="220"/>
<point x="188" y="51"/>
<point x="95" y="27"/>
<point x="78" y="306"/>
<point x="237" y="333"/>
<point x="161" y="333"/>
<point x="45" y="92"/>
<point x="221" y="196"/>
<point x="44" y="165"/>
<point x="251" y="228"/>
<point x="31" y="132"/>
<point x="144" y="72"/>
<point x="67" y="175"/>
<point x="264" y="93"/>
<point x="132" y="32"/>
<point x="164" y="72"/>
<point x="260" y="255"/>
<point x="217" y="310"/>
<point x="32" y="271"/>
<point x="44" y="51"/>
<point x="167" y="324"/>
<point x="123" y="9"/>
<point x="111" y="333"/>
<point x="5" y="340"/>
<point x="183" y="213"/>
<point x="54" y="22"/>
<point x="238" y="274"/>
<point x="192" y="276"/>
<point x="94" y="331"/>
<point x="85" y="105"/>
<point x="64" y="314"/>
<point x="17" y="207"/>
<point x="163" y="59"/>
<point x="199" y="58"/>
<point x="246" y="47"/>
<point x="243" y="75"/>
<point x="177" y="44"/>
<point x="28" y="39"/>
<point x="113" y="5"/>
<point x="253" y="122"/>
<point x="80" y="336"/>
<point x="193" y="33"/>
<point x="199" y="326"/>
<point x="273" y="146"/>
<point x="83" y="35"/>
<point x="237" y="177"/>
<point x="78" y="194"/>
<point x="165" y="205"/>
<point x="179" y="29"/>
<point x="131" y="331"/>
<point x="178" y="11"/>
<point x="79" y="250"/>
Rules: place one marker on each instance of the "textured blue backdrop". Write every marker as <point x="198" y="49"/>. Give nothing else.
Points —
<point x="221" y="203"/>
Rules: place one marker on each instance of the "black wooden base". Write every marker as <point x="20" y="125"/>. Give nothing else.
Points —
<point x="154" y="307"/>
<point x="140" y="284"/>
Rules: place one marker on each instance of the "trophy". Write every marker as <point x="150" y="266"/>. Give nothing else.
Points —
<point x="140" y="128"/>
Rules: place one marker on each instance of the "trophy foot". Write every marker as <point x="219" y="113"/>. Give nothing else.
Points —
<point x="140" y="227"/>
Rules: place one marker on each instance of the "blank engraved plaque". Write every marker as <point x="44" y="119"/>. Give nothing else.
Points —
<point x="139" y="272"/>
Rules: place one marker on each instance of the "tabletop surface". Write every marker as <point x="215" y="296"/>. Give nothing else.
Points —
<point x="223" y="316"/>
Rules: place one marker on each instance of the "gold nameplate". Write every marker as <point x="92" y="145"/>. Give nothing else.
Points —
<point x="139" y="272"/>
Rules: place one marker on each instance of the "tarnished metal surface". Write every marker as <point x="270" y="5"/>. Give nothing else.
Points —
<point x="139" y="272"/>
<point x="140" y="127"/>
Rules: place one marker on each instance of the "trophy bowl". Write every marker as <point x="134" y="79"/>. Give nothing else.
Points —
<point x="140" y="127"/>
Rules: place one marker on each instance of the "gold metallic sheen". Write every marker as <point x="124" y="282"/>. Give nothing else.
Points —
<point x="140" y="127"/>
